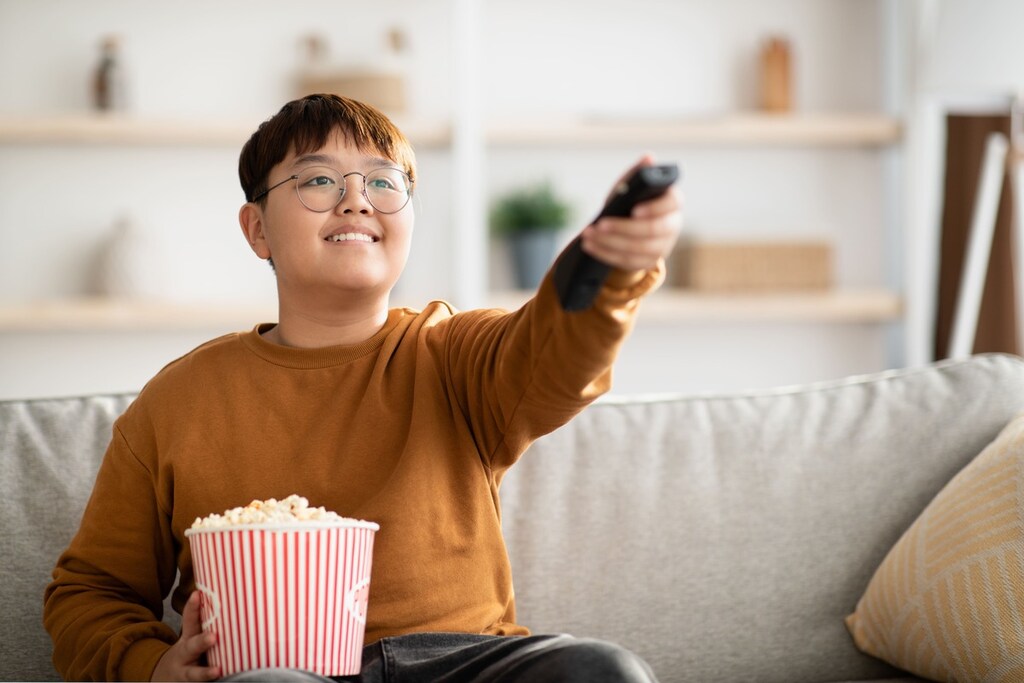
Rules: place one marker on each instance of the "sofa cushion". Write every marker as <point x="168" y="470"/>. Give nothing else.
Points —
<point x="51" y="450"/>
<point x="726" y="538"/>
<point x="947" y="602"/>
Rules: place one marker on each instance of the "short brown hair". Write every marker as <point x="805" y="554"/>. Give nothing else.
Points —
<point x="303" y="125"/>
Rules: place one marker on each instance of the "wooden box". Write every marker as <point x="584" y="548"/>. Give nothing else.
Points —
<point x="752" y="266"/>
<point x="384" y="91"/>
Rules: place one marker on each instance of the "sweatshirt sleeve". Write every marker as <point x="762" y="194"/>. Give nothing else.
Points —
<point x="517" y="376"/>
<point x="103" y="608"/>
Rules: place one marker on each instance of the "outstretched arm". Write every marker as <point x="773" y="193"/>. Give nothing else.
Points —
<point x="518" y="376"/>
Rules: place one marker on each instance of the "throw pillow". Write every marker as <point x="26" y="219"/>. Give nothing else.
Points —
<point x="947" y="603"/>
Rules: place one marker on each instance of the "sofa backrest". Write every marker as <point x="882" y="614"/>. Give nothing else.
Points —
<point x="50" y="451"/>
<point x="725" y="538"/>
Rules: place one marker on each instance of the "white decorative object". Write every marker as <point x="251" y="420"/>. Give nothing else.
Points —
<point x="135" y="264"/>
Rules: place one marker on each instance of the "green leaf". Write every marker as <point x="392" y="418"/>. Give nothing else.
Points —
<point x="529" y="209"/>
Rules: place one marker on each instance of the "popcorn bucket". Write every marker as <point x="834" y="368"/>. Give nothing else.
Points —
<point x="285" y="596"/>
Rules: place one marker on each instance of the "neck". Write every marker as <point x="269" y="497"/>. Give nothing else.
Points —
<point x="308" y="325"/>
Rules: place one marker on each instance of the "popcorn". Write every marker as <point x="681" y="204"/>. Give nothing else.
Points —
<point x="292" y="509"/>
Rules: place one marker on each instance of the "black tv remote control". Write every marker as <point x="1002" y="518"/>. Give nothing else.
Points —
<point x="579" y="276"/>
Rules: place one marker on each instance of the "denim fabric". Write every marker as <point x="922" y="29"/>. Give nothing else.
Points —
<point x="469" y="658"/>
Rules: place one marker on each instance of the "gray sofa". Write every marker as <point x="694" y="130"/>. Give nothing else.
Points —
<point x="722" y="537"/>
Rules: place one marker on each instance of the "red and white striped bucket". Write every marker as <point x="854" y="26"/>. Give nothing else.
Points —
<point x="285" y="596"/>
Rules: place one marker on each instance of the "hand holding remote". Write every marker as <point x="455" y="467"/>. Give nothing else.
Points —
<point x="578" y="276"/>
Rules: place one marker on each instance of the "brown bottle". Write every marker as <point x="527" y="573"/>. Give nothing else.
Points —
<point x="107" y="92"/>
<point x="776" y="75"/>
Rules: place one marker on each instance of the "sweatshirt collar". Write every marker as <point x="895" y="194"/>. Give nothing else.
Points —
<point x="323" y="357"/>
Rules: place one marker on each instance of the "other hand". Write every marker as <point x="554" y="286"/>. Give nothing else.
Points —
<point x="638" y="242"/>
<point x="184" y="661"/>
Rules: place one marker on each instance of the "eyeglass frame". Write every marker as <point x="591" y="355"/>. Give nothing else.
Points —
<point x="344" y="190"/>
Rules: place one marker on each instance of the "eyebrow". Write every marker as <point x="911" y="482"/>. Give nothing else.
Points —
<point x="328" y="160"/>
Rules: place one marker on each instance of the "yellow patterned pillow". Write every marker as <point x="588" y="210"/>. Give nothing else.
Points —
<point x="947" y="603"/>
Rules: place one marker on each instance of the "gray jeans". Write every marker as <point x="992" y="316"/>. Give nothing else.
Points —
<point x="469" y="658"/>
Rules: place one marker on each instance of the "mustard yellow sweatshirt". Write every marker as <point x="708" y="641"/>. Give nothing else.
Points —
<point x="412" y="429"/>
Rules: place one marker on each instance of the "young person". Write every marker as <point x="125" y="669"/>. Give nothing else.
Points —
<point x="406" y="418"/>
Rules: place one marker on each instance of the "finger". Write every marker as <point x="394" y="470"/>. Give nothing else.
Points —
<point x="628" y="254"/>
<point x="637" y="228"/>
<point x="202" y="673"/>
<point x="199" y="644"/>
<point x="623" y="262"/>
<point x="665" y="203"/>
<point x="194" y="640"/>
<point x="668" y="207"/>
<point x="191" y="621"/>
<point x="636" y="234"/>
<point x="653" y="245"/>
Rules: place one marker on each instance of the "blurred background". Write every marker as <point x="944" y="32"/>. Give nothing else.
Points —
<point x="811" y="134"/>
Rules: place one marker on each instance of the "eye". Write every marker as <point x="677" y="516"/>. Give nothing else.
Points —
<point x="386" y="180"/>
<point x="318" y="178"/>
<point x="381" y="183"/>
<point x="319" y="181"/>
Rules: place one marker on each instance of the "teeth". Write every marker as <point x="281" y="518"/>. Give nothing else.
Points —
<point x="350" y="236"/>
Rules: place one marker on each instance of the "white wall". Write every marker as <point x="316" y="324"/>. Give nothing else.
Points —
<point x="227" y="61"/>
<point x="972" y="46"/>
<point x="964" y="56"/>
<point x="654" y="58"/>
<point x="234" y="60"/>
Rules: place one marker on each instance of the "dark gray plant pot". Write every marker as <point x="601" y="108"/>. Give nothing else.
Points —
<point x="532" y="254"/>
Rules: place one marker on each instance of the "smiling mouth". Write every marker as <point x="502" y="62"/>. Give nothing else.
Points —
<point x="351" y="237"/>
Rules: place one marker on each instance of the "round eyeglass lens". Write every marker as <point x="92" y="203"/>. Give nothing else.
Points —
<point x="321" y="189"/>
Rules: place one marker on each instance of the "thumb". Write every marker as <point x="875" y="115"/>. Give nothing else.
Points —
<point x="646" y="160"/>
<point x="191" y="620"/>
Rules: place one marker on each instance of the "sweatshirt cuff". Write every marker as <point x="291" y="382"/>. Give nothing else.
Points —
<point x="624" y="286"/>
<point x="141" y="658"/>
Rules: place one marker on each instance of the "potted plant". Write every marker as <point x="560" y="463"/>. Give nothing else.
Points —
<point x="529" y="218"/>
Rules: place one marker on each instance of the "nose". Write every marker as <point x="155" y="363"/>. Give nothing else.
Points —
<point x="352" y="200"/>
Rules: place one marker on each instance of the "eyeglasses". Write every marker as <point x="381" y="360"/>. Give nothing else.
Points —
<point x="321" y="189"/>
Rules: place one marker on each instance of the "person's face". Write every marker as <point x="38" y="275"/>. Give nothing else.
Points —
<point x="308" y="255"/>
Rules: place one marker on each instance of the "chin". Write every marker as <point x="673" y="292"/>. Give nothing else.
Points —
<point x="364" y="285"/>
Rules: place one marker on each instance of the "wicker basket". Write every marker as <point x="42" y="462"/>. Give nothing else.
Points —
<point x="382" y="90"/>
<point x="753" y="266"/>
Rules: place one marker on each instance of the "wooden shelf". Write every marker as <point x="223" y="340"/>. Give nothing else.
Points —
<point x="111" y="315"/>
<point x="128" y="130"/>
<point x="752" y="129"/>
<point x="831" y="306"/>
<point x="736" y="129"/>
<point x="667" y="305"/>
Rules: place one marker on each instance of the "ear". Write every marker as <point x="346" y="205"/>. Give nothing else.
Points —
<point x="250" y="218"/>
